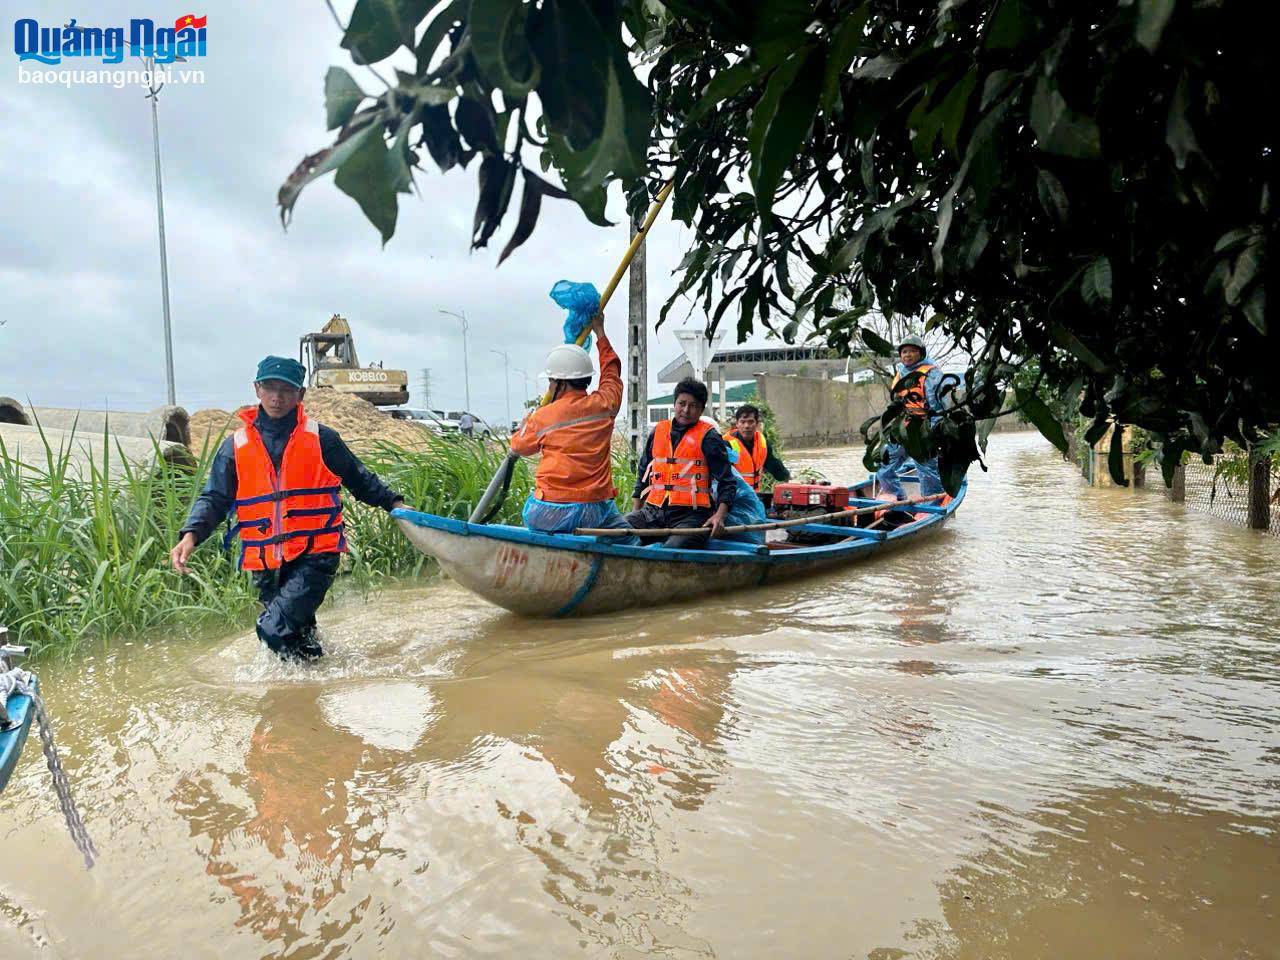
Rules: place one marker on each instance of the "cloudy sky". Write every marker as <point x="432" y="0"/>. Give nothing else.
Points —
<point x="79" y="271"/>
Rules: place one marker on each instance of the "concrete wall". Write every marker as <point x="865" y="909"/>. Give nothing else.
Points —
<point x="815" y="412"/>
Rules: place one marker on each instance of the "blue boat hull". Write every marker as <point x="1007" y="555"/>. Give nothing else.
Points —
<point x="21" y="710"/>
<point x="550" y="575"/>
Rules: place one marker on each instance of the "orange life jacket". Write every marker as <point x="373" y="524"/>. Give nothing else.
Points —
<point x="279" y="518"/>
<point x="751" y="462"/>
<point x="679" y="477"/>
<point x="913" y="396"/>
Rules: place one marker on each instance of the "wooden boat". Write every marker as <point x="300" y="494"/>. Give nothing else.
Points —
<point x="15" y="718"/>
<point x="558" y="575"/>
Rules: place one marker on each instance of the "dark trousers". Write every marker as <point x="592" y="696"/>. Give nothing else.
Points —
<point x="290" y="598"/>
<point x="649" y="517"/>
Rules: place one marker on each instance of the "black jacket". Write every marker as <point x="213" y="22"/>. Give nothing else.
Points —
<point x="714" y="450"/>
<point x="214" y="502"/>
<point x="775" y="467"/>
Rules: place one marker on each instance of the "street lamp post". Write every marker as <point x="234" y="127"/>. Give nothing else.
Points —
<point x="466" y="369"/>
<point x="153" y="94"/>
<point x="506" y="380"/>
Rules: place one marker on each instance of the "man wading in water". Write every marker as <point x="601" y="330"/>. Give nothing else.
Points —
<point x="282" y="471"/>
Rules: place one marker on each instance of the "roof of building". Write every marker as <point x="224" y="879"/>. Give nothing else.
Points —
<point x="745" y="362"/>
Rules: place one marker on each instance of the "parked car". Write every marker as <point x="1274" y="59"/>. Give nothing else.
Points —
<point x="438" y="421"/>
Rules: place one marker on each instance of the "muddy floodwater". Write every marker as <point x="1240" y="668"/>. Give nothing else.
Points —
<point x="1051" y="732"/>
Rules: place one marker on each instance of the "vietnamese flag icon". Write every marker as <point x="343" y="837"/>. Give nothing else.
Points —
<point x="190" y="20"/>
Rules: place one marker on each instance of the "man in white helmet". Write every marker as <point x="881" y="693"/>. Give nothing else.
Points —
<point x="574" y="482"/>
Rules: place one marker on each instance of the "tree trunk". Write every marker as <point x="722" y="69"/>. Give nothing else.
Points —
<point x="1259" y="490"/>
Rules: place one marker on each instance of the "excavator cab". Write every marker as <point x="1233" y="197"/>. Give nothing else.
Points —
<point x="330" y="358"/>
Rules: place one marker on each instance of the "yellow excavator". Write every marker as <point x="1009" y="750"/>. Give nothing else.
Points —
<point x="330" y="356"/>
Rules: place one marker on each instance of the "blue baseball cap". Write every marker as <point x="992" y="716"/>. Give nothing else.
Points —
<point x="282" y="368"/>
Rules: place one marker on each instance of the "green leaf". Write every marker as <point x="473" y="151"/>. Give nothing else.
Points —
<point x="1053" y="196"/>
<point x="440" y="138"/>
<point x="1007" y="26"/>
<point x="497" y="179"/>
<point x="530" y="206"/>
<point x="1115" y="458"/>
<point x="917" y="440"/>
<point x="1255" y="309"/>
<point x="1035" y="410"/>
<point x="1075" y="346"/>
<point x="844" y="47"/>
<point x="574" y="86"/>
<point x="1242" y="275"/>
<point x="436" y="31"/>
<point x="500" y="45"/>
<point x="1095" y="286"/>
<point x="364" y="178"/>
<point x="951" y="113"/>
<point x="476" y="122"/>
<point x="380" y="27"/>
<point x="1058" y="128"/>
<point x="878" y="344"/>
<point x="781" y="121"/>
<point x="322" y="162"/>
<point x="341" y="97"/>
<point x="723" y="85"/>
<point x="398" y="173"/>
<point x="1097" y="430"/>
<point x="1179" y="134"/>
<point x="1153" y="15"/>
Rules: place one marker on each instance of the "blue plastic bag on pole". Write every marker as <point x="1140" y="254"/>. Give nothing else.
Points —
<point x="582" y="300"/>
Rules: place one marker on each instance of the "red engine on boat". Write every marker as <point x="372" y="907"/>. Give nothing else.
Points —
<point x="808" y="495"/>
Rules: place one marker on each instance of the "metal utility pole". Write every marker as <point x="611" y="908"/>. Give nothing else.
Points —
<point x="466" y="369"/>
<point x="506" y="380"/>
<point x="426" y="386"/>
<point x="153" y="95"/>
<point x="637" y="348"/>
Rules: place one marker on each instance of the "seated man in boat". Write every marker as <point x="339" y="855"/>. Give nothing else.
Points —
<point x="754" y="455"/>
<point x="282" y="472"/>
<point x="682" y="458"/>
<point x="920" y="396"/>
<point x="574" y="481"/>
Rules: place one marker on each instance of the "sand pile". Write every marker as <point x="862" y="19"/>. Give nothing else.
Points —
<point x="359" y="422"/>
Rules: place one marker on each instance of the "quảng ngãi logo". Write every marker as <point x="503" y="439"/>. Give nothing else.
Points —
<point x="187" y="38"/>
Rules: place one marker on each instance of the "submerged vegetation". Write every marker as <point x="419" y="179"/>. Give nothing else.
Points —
<point x="84" y="556"/>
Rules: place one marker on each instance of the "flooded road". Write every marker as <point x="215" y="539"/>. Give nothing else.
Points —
<point x="1050" y="733"/>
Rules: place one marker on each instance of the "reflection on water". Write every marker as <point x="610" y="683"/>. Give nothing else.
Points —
<point x="1051" y="735"/>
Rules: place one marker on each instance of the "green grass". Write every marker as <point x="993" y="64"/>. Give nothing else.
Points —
<point x="85" y="558"/>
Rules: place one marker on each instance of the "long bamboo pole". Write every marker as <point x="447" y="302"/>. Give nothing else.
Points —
<point x="754" y="527"/>
<point x="499" y="481"/>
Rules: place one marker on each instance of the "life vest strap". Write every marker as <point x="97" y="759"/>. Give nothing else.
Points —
<point x="285" y="494"/>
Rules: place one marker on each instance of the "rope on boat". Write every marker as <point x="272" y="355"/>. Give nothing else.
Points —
<point x="753" y="527"/>
<point x="23" y="682"/>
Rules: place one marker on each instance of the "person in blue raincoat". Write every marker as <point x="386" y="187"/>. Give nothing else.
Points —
<point x="920" y="396"/>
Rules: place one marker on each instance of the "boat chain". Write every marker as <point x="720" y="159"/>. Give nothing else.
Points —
<point x="24" y="683"/>
<point x="75" y="826"/>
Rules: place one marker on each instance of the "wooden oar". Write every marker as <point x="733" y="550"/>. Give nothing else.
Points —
<point x="501" y="479"/>
<point x="754" y="527"/>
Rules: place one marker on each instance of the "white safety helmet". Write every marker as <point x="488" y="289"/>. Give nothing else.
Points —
<point x="568" y="362"/>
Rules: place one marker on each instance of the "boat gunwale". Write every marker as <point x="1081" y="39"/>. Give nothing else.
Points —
<point x="590" y="545"/>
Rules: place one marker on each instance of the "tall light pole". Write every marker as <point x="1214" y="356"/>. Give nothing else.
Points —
<point x="525" y="374"/>
<point x="466" y="369"/>
<point x="153" y="94"/>
<point x="506" y="379"/>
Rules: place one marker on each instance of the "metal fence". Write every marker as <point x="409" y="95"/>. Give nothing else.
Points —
<point x="1246" y="501"/>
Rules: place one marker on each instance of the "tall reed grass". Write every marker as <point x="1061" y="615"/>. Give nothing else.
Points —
<point x="85" y="557"/>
